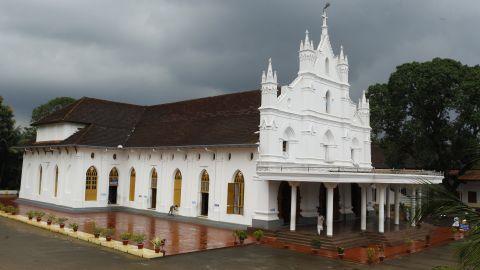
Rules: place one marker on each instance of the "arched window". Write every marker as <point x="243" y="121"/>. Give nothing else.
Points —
<point x="55" y="188"/>
<point x="288" y="135"/>
<point x="153" y="178"/>
<point x="40" y="172"/>
<point x="236" y="194"/>
<point x="327" y="66"/>
<point x="204" y="182"/>
<point x="91" y="184"/>
<point x="328" y="143"/>
<point x="327" y="102"/>
<point x="354" y="150"/>
<point x="112" y="186"/>
<point x="177" y="188"/>
<point x="133" y="178"/>
<point x="113" y="177"/>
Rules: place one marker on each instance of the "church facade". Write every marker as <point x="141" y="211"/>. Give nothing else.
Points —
<point x="265" y="158"/>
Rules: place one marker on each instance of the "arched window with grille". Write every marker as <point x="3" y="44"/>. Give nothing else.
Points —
<point x="133" y="179"/>
<point x="177" y="188"/>
<point x="235" y="197"/>
<point x="91" y="181"/>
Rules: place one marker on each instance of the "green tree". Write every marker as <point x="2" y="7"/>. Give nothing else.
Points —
<point x="40" y="112"/>
<point x="10" y="159"/>
<point x="428" y="114"/>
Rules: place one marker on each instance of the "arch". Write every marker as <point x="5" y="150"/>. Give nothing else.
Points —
<point x="153" y="188"/>
<point x="91" y="180"/>
<point x="327" y="102"/>
<point x="113" y="186"/>
<point x="40" y="173"/>
<point x="327" y="66"/>
<point x="328" y="142"/>
<point x="235" y="197"/>
<point x="133" y="179"/>
<point x="55" y="187"/>
<point x="354" y="150"/>
<point x="288" y="135"/>
<point x="204" y="192"/>
<point x="177" y="188"/>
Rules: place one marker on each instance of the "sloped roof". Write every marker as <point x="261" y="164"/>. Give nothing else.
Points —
<point x="230" y="119"/>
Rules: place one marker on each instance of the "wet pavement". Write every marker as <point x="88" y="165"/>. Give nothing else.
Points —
<point x="27" y="247"/>
<point x="180" y="237"/>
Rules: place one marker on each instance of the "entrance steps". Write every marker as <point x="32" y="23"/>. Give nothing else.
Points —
<point x="352" y="239"/>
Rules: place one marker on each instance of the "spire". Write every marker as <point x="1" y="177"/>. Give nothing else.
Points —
<point x="306" y="44"/>
<point x="341" y="56"/>
<point x="270" y="76"/>
<point x="324" y="38"/>
<point x="324" y="23"/>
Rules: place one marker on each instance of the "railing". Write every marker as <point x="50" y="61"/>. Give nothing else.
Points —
<point x="324" y="169"/>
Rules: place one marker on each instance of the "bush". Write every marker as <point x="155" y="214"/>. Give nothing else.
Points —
<point x="51" y="218"/>
<point x="371" y="254"/>
<point x="340" y="250"/>
<point x="73" y="226"/>
<point x="242" y="235"/>
<point x="258" y="234"/>
<point x="157" y="242"/>
<point x="125" y="236"/>
<point x="61" y="220"/>
<point x="108" y="232"/>
<point x="138" y="238"/>
<point x="31" y="214"/>
<point x="39" y="214"/>
<point x="316" y="242"/>
<point x="10" y="209"/>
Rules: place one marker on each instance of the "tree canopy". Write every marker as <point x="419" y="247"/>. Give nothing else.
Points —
<point x="427" y="114"/>
<point x="10" y="159"/>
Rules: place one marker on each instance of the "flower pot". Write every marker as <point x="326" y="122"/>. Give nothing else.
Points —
<point x="140" y="246"/>
<point x="75" y="229"/>
<point x="49" y="222"/>
<point x="341" y="256"/>
<point x="30" y="218"/>
<point x="314" y="250"/>
<point x="39" y="219"/>
<point x="381" y="258"/>
<point x="241" y="241"/>
<point x="157" y="250"/>
<point x="97" y="235"/>
<point x="109" y="238"/>
<point x="125" y="242"/>
<point x="62" y="226"/>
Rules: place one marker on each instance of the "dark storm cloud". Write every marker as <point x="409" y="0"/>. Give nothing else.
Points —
<point x="150" y="52"/>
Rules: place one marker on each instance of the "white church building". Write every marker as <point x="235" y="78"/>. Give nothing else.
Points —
<point x="265" y="158"/>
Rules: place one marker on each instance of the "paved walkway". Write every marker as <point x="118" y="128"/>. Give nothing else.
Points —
<point x="181" y="237"/>
<point x="26" y="247"/>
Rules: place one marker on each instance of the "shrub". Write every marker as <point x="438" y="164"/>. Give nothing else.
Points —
<point x="108" y="232"/>
<point x="242" y="235"/>
<point x="316" y="242"/>
<point x="138" y="238"/>
<point x="371" y="255"/>
<point x="61" y="220"/>
<point x="125" y="236"/>
<point x="340" y="250"/>
<point x="73" y="226"/>
<point x="258" y="234"/>
<point x="39" y="214"/>
<point x="10" y="209"/>
<point x="51" y="217"/>
<point x="31" y="214"/>
<point x="157" y="242"/>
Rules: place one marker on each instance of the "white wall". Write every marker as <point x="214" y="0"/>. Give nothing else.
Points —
<point x="73" y="167"/>
<point x="463" y="190"/>
<point x="57" y="132"/>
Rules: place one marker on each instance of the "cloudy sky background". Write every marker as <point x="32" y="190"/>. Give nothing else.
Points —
<point x="153" y="51"/>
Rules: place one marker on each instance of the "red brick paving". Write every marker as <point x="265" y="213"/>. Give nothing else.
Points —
<point x="181" y="237"/>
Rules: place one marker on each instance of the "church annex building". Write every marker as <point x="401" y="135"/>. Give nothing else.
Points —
<point x="264" y="158"/>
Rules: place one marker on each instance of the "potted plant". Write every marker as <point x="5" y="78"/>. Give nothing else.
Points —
<point x="50" y="219"/>
<point x="108" y="233"/>
<point x="316" y="244"/>
<point x="97" y="231"/>
<point x="61" y="222"/>
<point x="30" y="214"/>
<point x="39" y="215"/>
<point x="138" y="238"/>
<point x="73" y="226"/>
<point x="242" y="235"/>
<point x="2" y="206"/>
<point x="370" y="255"/>
<point x="158" y="244"/>
<point x="125" y="236"/>
<point x="235" y="237"/>
<point x="409" y="244"/>
<point x="427" y="240"/>
<point x="341" y="252"/>
<point x="381" y="252"/>
<point x="258" y="234"/>
<point x="10" y="210"/>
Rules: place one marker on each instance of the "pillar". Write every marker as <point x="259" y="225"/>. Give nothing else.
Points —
<point x="293" y="206"/>
<point x="330" y="187"/>
<point x="419" y="201"/>
<point x="381" y="208"/>
<point x="388" y="202"/>
<point x="397" y="205"/>
<point x="363" y="218"/>
<point x="414" y="206"/>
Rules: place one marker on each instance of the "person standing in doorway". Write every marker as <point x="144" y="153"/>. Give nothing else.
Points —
<point x="320" y="220"/>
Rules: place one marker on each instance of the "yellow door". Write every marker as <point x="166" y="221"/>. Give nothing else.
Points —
<point x="91" y="184"/>
<point x="177" y="189"/>
<point x="132" y="185"/>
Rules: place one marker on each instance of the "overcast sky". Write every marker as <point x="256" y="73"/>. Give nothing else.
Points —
<point x="153" y="51"/>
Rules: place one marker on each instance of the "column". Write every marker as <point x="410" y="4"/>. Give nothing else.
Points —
<point x="414" y="206"/>
<point x="419" y="201"/>
<point x="388" y="202"/>
<point x="330" y="187"/>
<point x="293" y="206"/>
<point x="363" y="219"/>
<point x="397" y="205"/>
<point x="381" y="207"/>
